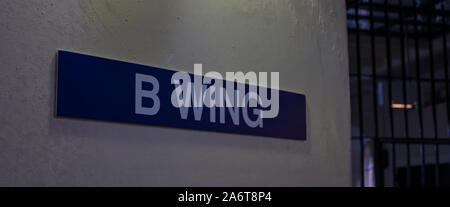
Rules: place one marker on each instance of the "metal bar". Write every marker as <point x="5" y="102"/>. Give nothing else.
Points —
<point x="389" y="71"/>
<point x="393" y="21"/>
<point x="360" y="108"/>
<point x="401" y="78"/>
<point x="394" y="34"/>
<point x="445" y="53"/>
<point x="396" y="8"/>
<point x="427" y="141"/>
<point x="379" y="171"/>
<point x="405" y="97"/>
<point x="419" y="96"/>
<point x="416" y="141"/>
<point x="433" y="98"/>
<point x="378" y="167"/>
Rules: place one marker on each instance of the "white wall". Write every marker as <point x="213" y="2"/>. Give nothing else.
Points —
<point x="304" y="40"/>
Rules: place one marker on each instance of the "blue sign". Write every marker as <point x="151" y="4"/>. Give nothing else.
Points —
<point x="102" y="89"/>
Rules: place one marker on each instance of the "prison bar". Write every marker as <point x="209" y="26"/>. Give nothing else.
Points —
<point x="430" y="29"/>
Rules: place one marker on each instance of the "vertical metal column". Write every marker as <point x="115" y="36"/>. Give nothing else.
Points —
<point x="361" y="116"/>
<point x="433" y="92"/>
<point x="445" y="53"/>
<point x="387" y="27"/>
<point x="378" y="153"/>
<point x="419" y="91"/>
<point x="405" y="97"/>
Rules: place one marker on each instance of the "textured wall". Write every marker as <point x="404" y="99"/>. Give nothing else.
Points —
<point x="304" y="40"/>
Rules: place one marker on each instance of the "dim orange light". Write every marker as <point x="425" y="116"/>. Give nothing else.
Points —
<point x="402" y="106"/>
